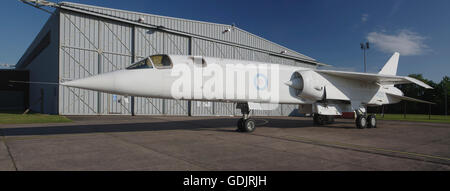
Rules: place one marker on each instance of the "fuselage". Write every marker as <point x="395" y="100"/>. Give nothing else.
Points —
<point x="217" y="79"/>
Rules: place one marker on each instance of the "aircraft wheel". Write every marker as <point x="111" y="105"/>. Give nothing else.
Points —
<point x="371" y="121"/>
<point x="240" y="125"/>
<point x="361" y="122"/>
<point x="319" y="119"/>
<point x="249" y="125"/>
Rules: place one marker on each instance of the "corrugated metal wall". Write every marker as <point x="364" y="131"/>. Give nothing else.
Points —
<point x="91" y="45"/>
<point x="79" y="44"/>
<point x="212" y="30"/>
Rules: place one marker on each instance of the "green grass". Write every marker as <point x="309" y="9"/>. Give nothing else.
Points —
<point x="416" y="117"/>
<point x="16" y="118"/>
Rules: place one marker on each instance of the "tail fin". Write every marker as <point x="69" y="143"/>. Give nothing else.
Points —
<point x="390" y="68"/>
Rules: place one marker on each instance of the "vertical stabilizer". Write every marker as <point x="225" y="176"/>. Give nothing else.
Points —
<point x="390" y="68"/>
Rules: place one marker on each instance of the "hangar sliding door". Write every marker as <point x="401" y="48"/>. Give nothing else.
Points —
<point x="78" y="58"/>
<point x="90" y="46"/>
<point x="149" y="42"/>
<point x="115" y="41"/>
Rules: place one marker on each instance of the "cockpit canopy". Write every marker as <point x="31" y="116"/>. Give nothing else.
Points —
<point x="161" y="61"/>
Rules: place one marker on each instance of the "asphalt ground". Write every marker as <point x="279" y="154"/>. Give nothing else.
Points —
<point x="211" y="143"/>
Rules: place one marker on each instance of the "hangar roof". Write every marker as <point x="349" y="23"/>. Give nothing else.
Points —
<point x="198" y="29"/>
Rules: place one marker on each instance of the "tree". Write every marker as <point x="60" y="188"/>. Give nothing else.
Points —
<point x="415" y="91"/>
<point x="442" y="89"/>
<point x="436" y="95"/>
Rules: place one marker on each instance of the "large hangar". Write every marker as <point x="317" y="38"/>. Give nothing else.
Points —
<point x="81" y="40"/>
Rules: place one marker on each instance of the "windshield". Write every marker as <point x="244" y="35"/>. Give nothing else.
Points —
<point x="145" y="63"/>
<point x="161" y="61"/>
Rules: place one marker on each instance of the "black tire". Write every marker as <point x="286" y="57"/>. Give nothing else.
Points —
<point x="318" y="119"/>
<point x="371" y="121"/>
<point x="240" y="125"/>
<point x="361" y="122"/>
<point x="249" y="125"/>
<point x="315" y="119"/>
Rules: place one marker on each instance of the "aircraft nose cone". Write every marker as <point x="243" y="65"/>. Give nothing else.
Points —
<point x="102" y="82"/>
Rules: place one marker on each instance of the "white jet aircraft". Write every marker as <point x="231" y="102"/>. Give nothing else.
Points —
<point x="257" y="86"/>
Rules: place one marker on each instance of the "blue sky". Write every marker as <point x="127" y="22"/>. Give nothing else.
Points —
<point x="327" y="30"/>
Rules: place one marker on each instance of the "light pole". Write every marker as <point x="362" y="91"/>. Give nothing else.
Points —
<point x="364" y="47"/>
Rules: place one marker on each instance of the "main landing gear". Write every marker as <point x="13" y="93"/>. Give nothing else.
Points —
<point x="245" y="124"/>
<point x="364" y="121"/>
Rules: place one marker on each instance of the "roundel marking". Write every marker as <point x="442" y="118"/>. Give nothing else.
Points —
<point x="260" y="81"/>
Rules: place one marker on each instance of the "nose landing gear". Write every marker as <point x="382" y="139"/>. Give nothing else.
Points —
<point x="245" y="124"/>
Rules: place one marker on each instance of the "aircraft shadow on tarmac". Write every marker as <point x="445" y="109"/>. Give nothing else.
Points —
<point x="201" y="124"/>
<point x="288" y="123"/>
